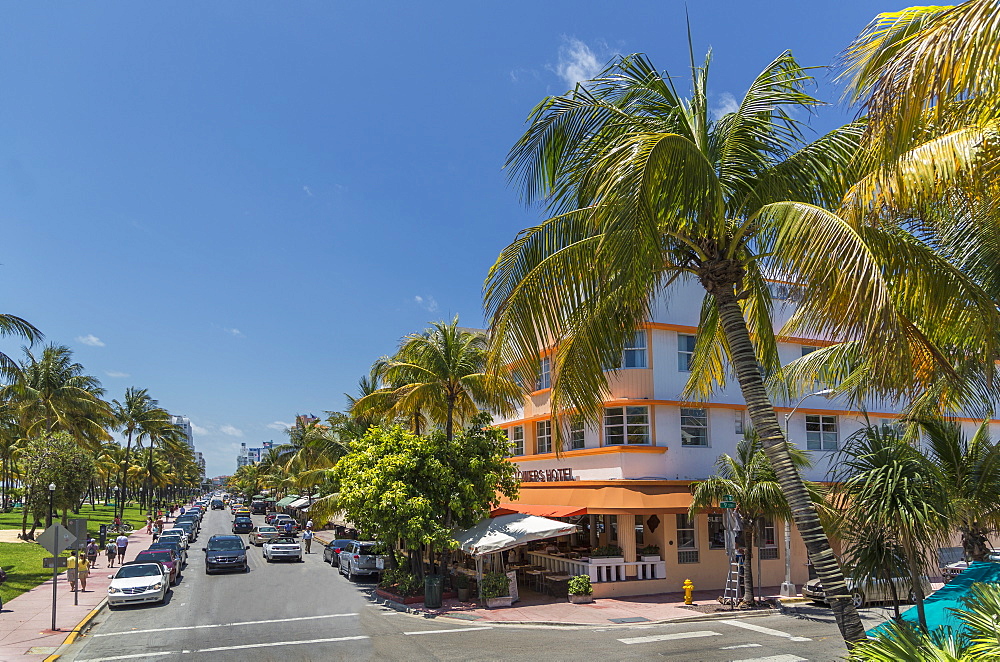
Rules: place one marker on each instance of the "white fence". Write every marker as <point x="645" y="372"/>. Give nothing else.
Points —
<point x="611" y="569"/>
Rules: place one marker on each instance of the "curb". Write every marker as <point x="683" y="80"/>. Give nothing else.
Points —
<point x="75" y="632"/>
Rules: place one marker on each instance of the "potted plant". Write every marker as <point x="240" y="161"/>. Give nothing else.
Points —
<point x="581" y="591"/>
<point x="650" y="553"/>
<point x="461" y="583"/>
<point x="607" y="552"/>
<point x="496" y="590"/>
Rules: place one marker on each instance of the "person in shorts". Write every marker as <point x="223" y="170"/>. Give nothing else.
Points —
<point x="71" y="571"/>
<point x="82" y="572"/>
<point x="111" y="551"/>
<point x="92" y="552"/>
<point x="122" y="543"/>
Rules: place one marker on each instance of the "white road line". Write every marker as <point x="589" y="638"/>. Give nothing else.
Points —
<point x="774" y="658"/>
<point x="764" y="630"/>
<point x="729" y="648"/>
<point x="224" y="648"/>
<point x="220" y="625"/>
<point x="485" y="627"/>
<point x="668" y="637"/>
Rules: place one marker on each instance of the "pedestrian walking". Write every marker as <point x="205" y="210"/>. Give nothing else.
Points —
<point x="288" y="528"/>
<point x="149" y="523"/>
<point x="92" y="553"/>
<point x="122" y="543"/>
<point x="71" y="572"/>
<point x="111" y="551"/>
<point x="82" y="572"/>
<point x="307" y="536"/>
<point x="309" y="524"/>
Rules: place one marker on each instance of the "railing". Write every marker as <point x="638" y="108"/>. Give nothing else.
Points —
<point x="610" y="569"/>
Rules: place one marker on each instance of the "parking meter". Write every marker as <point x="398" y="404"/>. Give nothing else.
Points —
<point x="102" y="535"/>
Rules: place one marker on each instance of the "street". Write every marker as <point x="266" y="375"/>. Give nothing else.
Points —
<point x="307" y="611"/>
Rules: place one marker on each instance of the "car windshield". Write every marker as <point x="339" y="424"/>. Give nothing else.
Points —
<point x="243" y="520"/>
<point x="341" y="543"/>
<point x="225" y="545"/>
<point x="176" y="535"/>
<point x="143" y="570"/>
<point x="163" y="556"/>
<point x="367" y="549"/>
<point x="266" y="529"/>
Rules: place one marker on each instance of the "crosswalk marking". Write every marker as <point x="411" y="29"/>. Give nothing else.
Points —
<point x="729" y="648"/>
<point x="775" y="658"/>
<point x="668" y="637"/>
<point x="763" y="630"/>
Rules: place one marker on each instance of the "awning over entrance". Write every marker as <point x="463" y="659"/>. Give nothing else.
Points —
<point x="287" y="500"/>
<point x="499" y="533"/>
<point x="298" y="503"/>
<point x="637" y="497"/>
<point x="537" y="509"/>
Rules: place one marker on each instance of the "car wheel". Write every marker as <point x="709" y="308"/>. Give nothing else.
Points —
<point x="857" y="598"/>
<point x="350" y="574"/>
<point x="208" y="570"/>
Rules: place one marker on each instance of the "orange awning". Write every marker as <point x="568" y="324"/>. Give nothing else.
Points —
<point x="610" y="499"/>
<point x="538" y="509"/>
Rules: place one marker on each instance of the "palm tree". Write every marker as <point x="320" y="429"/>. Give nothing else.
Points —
<point x="886" y="487"/>
<point x="751" y="481"/>
<point x="443" y="371"/>
<point x="969" y="472"/>
<point x="164" y="434"/>
<point x="647" y="189"/>
<point x="11" y="325"/>
<point x="137" y="417"/>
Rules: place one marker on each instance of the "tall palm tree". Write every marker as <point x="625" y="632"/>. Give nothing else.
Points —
<point x="164" y="434"/>
<point x="137" y="416"/>
<point x="751" y="481"/>
<point x="443" y="371"/>
<point x="647" y="189"/>
<point x="11" y="325"/>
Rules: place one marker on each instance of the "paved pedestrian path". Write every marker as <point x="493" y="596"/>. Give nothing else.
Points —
<point x="25" y="620"/>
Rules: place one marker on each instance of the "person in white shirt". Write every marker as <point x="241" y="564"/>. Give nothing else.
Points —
<point x="307" y="536"/>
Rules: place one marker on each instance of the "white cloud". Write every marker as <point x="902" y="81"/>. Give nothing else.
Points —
<point x="308" y="191"/>
<point x="197" y="429"/>
<point x="726" y="104"/>
<point x="427" y="303"/>
<point x="236" y="333"/>
<point x="577" y="62"/>
<point x="279" y="425"/>
<point x="90" y="339"/>
<point x="116" y="374"/>
<point x="231" y="431"/>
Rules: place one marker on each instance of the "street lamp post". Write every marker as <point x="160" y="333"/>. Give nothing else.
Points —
<point x="52" y="493"/>
<point x="55" y="566"/>
<point x="787" y="587"/>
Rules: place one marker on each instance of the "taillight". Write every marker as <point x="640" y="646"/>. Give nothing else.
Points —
<point x="356" y="557"/>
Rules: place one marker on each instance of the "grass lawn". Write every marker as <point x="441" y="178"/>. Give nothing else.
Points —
<point x="23" y="563"/>
<point x="95" y="517"/>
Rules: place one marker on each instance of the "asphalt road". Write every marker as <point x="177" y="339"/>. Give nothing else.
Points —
<point x="291" y="612"/>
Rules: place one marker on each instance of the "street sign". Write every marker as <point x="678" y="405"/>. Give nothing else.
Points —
<point x="54" y="562"/>
<point x="55" y="539"/>
<point x="78" y="527"/>
<point x="727" y="504"/>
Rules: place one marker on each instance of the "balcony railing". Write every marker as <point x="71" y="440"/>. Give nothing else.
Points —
<point x="600" y="569"/>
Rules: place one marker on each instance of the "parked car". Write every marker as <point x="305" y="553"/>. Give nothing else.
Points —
<point x="242" y="525"/>
<point x="261" y="533"/>
<point x="225" y="552"/>
<point x="166" y="557"/>
<point x="358" y="558"/>
<point x="331" y="553"/>
<point x="280" y="521"/>
<point x="173" y="546"/>
<point x="283" y="547"/>
<point x="191" y="519"/>
<point x="188" y="528"/>
<point x="270" y="515"/>
<point x="180" y="535"/>
<point x="138" y="582"/>
<point x="865" y="592"/>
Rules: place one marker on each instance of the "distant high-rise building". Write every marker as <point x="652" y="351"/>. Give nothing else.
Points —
<point x="184" y="423"/>
<point x="200" y="461"/>
<point x="243" y="458"/>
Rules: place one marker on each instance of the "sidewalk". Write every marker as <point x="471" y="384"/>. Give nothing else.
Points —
<point x="24" y="618"/>
<point x="539" y="609"/>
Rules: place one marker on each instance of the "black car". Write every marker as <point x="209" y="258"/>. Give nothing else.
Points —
<point x="218" y="505"/>
<point x="331" y="553"/>
<point x="258" y="507"/>
<point x="226" y="552"/>
<point x="242" y="525"/>
<point x="194" y="520"/>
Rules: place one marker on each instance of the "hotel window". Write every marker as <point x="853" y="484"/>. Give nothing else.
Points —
<point x="545" y="375"/>
<point x="516" y="436"/>
<point x="821" y="433"/>
<point x="685" y="351"/>
<point x="694" y="427"/>
<point x="576" y="433"/>
<point x="687" y="541"/>
<point x="716" y="532"/>
<point x="626" y="425"/>
<point x="740" y="416"/>
<point x="543" y="437"/>
<point x="806" y="350"/>
<point x="767" y="541"/>
<point x="634" y="355"/>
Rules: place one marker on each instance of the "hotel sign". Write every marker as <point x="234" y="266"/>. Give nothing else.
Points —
<point x="546" y="475"/>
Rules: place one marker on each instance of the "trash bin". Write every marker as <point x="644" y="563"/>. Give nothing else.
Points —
<point x="432" y="591"/>
<point x="102" y="536"/>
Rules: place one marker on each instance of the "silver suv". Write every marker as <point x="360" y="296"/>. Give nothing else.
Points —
<point x="358" y="558"/>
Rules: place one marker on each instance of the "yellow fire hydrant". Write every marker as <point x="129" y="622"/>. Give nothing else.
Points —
<point x="688" y="590"/>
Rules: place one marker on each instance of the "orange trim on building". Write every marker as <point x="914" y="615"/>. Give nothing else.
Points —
<point x="541" y="510"/>
<point x="638" y="497"/>
<point x="603" y="450"/>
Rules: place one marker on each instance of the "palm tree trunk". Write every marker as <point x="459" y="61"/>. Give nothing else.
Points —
<point x="915" y="584"/>
<point x="449" y="429"/>
<point x="121" y="479"/>
<point x="749" y="597"/>
<point x="765" y="421"/>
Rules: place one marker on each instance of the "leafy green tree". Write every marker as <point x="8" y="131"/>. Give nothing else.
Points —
<point x="751" y="481"/>
<point x="399" y="486"/>
<point x="56" y="458"/>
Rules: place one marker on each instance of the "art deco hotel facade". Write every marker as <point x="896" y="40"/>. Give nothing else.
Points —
<point x="628" y="480"/>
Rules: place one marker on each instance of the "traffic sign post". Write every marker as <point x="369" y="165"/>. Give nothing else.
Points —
<point x="54" y="562"/>
<point x="78" y="527"/>
<point x="55" y="539"/>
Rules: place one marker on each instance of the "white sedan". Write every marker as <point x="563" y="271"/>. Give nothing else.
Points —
<point x="283" y="547"/>
<point x="260" y="534"/>
<point x="138" y="582"/>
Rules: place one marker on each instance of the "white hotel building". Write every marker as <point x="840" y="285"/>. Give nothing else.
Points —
<point x="628" y="479"/>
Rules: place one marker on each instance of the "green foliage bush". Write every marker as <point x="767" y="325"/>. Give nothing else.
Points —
<point x="607" y="550"/>
<point x="650" y="550"/>
<point x="495" y="585"/>
<point x="580" y="585"/>
<point x="460" y="581"/>
<point x="401" y="582"/>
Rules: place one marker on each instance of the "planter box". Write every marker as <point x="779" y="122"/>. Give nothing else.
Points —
<point x="504" y="601"/>
<point x="650" y="558"/>
<point x="581" y="599"/>
<point x="607" y="559"/>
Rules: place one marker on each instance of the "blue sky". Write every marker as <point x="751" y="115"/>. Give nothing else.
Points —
<point x="241" y="205"/>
